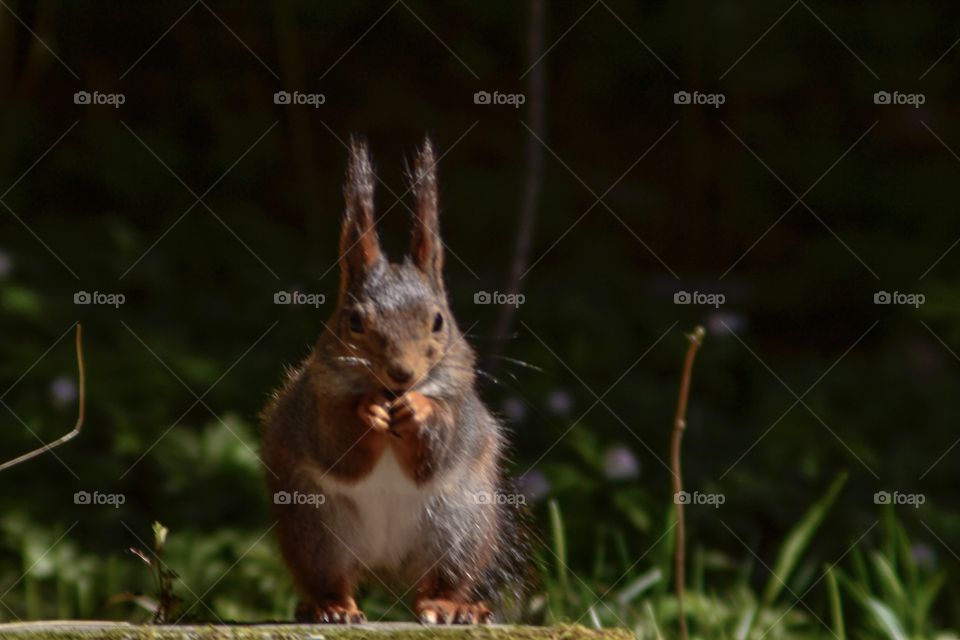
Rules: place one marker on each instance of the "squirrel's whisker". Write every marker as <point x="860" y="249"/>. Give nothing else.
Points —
<point x="521" y="363"/>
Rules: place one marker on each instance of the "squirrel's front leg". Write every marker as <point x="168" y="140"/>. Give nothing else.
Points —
<point x="423" y="425"/>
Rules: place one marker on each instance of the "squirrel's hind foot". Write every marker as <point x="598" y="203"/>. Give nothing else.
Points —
<point x="330" y="612"/>
<point x="440" y="611"/>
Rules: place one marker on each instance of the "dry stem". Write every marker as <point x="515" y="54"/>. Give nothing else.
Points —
<point x="679" y="424"/>
<point x="81" y="412"/>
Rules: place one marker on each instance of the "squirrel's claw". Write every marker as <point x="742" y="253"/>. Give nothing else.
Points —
<point x="374" y="412"/>
<point x="336" y="612"/>
<point x="411" y="411"/>
<point x="440" y="611"/>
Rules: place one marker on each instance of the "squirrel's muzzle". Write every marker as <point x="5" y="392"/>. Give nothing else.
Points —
<point x="400" y="374"/>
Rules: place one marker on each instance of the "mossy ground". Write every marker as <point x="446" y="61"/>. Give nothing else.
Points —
<point x="80" y="630"/>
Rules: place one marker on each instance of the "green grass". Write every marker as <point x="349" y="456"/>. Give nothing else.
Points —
<point x="877" y="590"/>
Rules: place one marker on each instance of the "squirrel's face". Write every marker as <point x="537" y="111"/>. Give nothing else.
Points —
<point x="392" y="318"/>
<point x="398" y="325"/>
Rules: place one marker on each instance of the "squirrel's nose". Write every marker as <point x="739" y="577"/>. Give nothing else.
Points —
<point x="400" y="374"/>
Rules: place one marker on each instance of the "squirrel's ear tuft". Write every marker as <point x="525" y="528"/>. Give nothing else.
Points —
<point x="425" y="247"/>
<point x="359" y="244"/>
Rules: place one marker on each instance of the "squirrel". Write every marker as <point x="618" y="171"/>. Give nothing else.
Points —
<point x="384" y="461"/>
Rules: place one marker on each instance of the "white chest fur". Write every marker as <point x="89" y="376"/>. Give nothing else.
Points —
<point x="389" y="508"/>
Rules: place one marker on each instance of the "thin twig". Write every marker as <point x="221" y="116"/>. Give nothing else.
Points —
<point x="533" y="161"/>
<point x="81" y="412"/>
<point x="679" y="425"/>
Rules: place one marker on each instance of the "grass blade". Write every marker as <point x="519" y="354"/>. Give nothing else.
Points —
<point x="889" y="582"/>
<point x="651" y="614"/>
<point x="746" y="622"/>
<point x="886" y="619"/>
<point x="559" y="545"/>
<point x="836" y="607"/>
<point x="881" y="615"/>
<point x="798" y="540"/>
<point x="638" y="586"/>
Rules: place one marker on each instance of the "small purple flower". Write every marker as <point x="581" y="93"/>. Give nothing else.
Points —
<point x="560" y="402"/>
<point x="533" y="485"/>
<point x="6" y="264"/>
<point x="924" y="556"/>
<point x="63" y="390"/>
<point x="619" y="463"/>
<point x="515" y="409"/>
<point x="725" y="322"/>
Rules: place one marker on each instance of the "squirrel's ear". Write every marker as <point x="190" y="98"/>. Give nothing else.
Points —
<point x="359" y="244"/>
<point x="426" y="247"/>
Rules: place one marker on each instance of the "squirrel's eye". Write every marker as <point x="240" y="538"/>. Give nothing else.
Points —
<point x="437" y="323"/>
<point x="356" y="322"/>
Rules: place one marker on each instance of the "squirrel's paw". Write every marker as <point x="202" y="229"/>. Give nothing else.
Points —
<point x="439" y="611"/>
<point x="410" y="412"/>
<point x="374" y="412"/>
<point x="330" y="612"/>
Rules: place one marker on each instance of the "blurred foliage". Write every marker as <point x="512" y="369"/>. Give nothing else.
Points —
<point x="179" y="372"/>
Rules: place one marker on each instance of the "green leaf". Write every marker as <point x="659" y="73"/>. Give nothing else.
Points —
<point x="798" y="540"/>
<point x="836" y="607"/>
<point x="629" y="507"/>
<point x="159" y="536"/>
<point x="886" y="619"/>
<point x="638" y="586"/>
<point x="746" y="622"/>
<point x="924" y="600"/>
<point x="559" y="545"/>
<point x="881" y="615"/>
<point x="20" y="301"/>
<point x="889" y="582"/>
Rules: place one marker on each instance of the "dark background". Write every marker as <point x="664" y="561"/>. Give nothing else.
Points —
<point x="103" y="210"/>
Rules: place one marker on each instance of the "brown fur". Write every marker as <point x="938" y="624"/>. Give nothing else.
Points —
<point x="391" y="372"/>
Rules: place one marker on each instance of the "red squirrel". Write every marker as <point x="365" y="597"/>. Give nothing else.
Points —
<point x="387" y="463"/>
